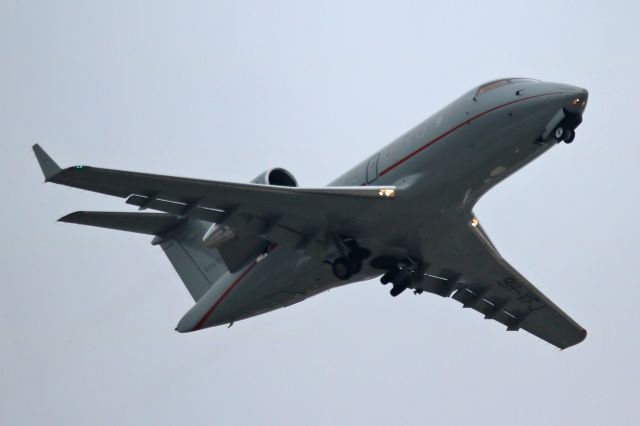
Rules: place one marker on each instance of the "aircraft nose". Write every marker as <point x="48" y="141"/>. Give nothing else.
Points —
<point x="573" y="98"/>
<point x="569" y="103"/>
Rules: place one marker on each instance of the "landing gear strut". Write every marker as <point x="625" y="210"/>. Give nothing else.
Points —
<point x="564" y="134"/>
<point x="350" y="261"/>
<point x="400" y="273"/>
<point x="345" y="267"/>
<point x="566" y="130"/>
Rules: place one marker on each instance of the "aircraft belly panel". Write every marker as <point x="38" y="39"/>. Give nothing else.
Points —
<point x="407" y="209"/>
<point x="272" y="283"/>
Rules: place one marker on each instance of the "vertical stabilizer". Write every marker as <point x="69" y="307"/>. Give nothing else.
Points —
<point x="48" y="166"/>
<point x="197" y="265"/>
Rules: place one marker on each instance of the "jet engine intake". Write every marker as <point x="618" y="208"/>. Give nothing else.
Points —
<point x="276" y="176"/>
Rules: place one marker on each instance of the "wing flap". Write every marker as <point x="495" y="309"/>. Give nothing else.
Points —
<point x="490" y="311"/>
<point x="177" y="208"/>
<point x="489" y="285"/>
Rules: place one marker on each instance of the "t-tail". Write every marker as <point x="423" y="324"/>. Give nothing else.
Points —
<point x="180" y="237"/>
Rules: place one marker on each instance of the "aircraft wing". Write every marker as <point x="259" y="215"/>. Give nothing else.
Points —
<point x="482" y="280"/>
<point x="284" y="215"/>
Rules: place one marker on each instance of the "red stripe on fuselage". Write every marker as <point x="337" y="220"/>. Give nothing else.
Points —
<point x="453" y="129"/>
<point x="206" y="316"/>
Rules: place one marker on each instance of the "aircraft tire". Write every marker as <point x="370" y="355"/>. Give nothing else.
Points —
<point x="356" y="265"/>
<point x="397" y="289"/>
<point x="570" y="136"/>
<point x="558" y="133"/>
<point x="389" y="276"/>
<point x="343" y="268"/>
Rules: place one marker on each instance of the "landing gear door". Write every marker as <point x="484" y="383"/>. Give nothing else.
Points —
<point x="372" y="168"/>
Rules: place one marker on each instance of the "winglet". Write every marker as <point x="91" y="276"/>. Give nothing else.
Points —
<point x="48" y="166"/>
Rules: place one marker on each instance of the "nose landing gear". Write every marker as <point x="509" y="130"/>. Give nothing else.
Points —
<point x="562" y="134"/>
<point x="570" y="136"/>
<point x="566" y="130"/>
<point x="558" y="133"/>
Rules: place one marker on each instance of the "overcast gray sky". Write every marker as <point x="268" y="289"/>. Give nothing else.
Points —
<point x="225" y="90"/>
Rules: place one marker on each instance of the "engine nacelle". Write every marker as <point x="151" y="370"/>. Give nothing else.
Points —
<point x="219" y="233"/>
<point x="276" y="176"/>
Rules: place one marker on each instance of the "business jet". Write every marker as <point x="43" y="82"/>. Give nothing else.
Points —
<point x="404" y="214"/>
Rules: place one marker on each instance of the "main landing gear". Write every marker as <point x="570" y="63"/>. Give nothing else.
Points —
<point x="345" y="267"/>
<point x="351" y="256"/>
<point x="400" y="273"/>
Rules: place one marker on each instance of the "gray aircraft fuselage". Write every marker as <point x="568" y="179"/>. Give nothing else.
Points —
<point x="444" y="164"/>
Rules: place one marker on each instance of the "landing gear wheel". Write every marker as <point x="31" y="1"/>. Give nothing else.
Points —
<point x="558" y="133"/>
<point x="389" y="276"/>
<point x="356" y="265"/>
<point x="343" y="268"/>
<point x="397" y="289"/>
<point x="570" y="136"/>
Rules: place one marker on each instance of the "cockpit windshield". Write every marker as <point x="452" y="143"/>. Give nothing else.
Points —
<point x="499" y="83"/>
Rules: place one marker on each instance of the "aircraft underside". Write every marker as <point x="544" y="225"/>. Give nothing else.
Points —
<point x="404" y="215"/>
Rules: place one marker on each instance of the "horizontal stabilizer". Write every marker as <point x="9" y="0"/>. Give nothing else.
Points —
<point x="143" y="223"/>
